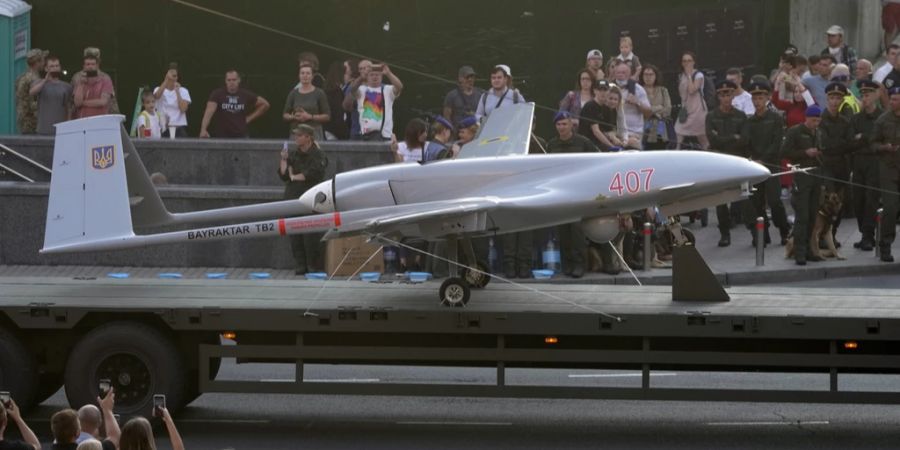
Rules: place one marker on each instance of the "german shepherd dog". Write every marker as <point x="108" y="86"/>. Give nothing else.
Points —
<point x="829" y="209"/>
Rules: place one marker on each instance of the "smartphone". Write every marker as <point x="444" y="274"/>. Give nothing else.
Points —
<point x="159" y="402"/>
<point x="6" y="399"/>
<point x="284" y="146"/>
<point x="104" y="387"/>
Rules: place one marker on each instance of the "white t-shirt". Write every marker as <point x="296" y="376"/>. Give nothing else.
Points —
<point x="634" y="118"/>
<point x="744" y="102"/>
<point x="375" y="110"/>
<point x="490" y="101"/>
<point x="168" y="105"/>
<point x="882" y="72"/>
<point x="407" y="153"/>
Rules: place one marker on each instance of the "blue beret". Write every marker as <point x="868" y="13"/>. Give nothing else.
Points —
<point x="441" y="120"/>
<point x="467" y="122"/>
<point x="813" y="111"/>
<point x="894" y="90"/>
<point x="561" y="115"/>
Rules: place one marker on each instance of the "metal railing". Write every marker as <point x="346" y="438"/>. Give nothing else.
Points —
<point x="4" y="150"/>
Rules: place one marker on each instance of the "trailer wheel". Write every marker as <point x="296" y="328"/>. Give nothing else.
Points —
<point x="455" y="292"/>
<point x="139" y="361"/>
<point x="475" y="279"/>
<point x="18" y="370"/>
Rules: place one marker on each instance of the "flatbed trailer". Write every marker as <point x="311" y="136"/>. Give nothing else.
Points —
<point x="153" y="336"/>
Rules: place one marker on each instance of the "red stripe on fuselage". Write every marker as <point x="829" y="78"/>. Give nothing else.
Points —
<point x="281" y="227"/>
<point x="337" y="219"/>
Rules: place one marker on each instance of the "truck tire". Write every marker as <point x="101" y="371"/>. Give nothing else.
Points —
<point x="18" y="370"/>
<point x="139" y="361"/>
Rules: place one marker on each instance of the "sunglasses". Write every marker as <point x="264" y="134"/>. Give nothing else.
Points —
<point x="841" y="78"/>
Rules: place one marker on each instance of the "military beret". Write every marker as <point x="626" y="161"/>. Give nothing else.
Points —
<point x="441" y="120"/>
<point x="894" y="90"/>
<point x="867" y="86"/>
<point x="561" y="115"/>
<point x="813" y="111"/>
<point x="467" y="122"/>
<point x="836" y="89"/>
<point x="725" y="85"/>
<point x="759" y="88"/>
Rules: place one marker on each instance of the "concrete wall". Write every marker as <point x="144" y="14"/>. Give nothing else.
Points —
<point x="861" y="20"/>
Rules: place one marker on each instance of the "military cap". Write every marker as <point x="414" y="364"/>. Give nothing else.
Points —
<point x="867" y="86"/>
<point x="304" y="129"/>
<point x="725" y="85"/>
<point x="561" y="115"/>
<point x="836" y="89"/>
<point x="467" y="122"/>
<point x="758" y="87"/>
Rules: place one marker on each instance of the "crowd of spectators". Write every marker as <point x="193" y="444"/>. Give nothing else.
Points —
<point x="623" y="104"/>
<point x="92" y="427"/>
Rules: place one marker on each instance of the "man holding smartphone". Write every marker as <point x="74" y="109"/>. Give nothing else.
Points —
<point x="54" y="97"/>
<point x="9" y="409"/>
<point x="93" y="92"/>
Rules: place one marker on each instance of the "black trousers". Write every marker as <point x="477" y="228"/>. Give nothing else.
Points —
<point x="805" y="200"/>
<point x="767" y="193"/>
<point x="308" y="252"/>
<point x="865" y="201"/>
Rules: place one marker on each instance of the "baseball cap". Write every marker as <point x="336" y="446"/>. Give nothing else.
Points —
<point x="504" y="68"/>
<point x="594" y="54"/>
<point x="835" y="29"/>
<point x="465" y="71"/>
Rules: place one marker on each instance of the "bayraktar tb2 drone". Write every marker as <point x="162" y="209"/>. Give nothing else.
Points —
<point x="100" y="191"/>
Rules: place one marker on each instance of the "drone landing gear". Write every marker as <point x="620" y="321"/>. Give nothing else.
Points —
<point x="457" y="289"/>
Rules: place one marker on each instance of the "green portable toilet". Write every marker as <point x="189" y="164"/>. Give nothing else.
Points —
<point x="15" y="40"/>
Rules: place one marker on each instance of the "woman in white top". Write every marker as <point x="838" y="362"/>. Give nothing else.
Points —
<point x="172" y="100"/>
<point x="413" y="144"/>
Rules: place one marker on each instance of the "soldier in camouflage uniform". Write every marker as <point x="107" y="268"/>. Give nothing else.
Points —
<point x="886" y="141"/>
<point x="801" y="146"/>
<point x="26" y="104"/>
<point x="726" y="128"/>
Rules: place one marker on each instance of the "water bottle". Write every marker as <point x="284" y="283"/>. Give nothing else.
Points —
<point x="390" y="260"/>
<point x="493" y="261"/>
<point x="551" y="255"/>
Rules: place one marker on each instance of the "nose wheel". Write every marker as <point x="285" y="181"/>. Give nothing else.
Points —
<point x="455" y="292"/>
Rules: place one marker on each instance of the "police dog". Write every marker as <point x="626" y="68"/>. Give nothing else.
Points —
<point x="829" y="210"/>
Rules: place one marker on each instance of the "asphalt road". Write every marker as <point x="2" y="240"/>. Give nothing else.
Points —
<point x="240" y="421"/>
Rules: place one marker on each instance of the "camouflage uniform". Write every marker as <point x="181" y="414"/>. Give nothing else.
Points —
<point x="26" y="104"/>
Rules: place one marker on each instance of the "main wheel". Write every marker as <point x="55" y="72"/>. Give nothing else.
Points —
<point x="477" y="280"/>
<point x="18" y="370"/>
<point x="139" y="360"/>
<point x="455" y="292"/>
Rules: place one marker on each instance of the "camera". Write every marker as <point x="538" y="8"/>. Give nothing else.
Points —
<point x="90" y="73"/>
<point x="6" y="399"/>
<point x="159" y="403"/>
<point x="377" y="67"/>
<point x="105" y="384"/>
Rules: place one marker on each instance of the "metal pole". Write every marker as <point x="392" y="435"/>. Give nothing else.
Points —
<point x="760" y="242"/>
<point x="878" y="216"/>
<point x="648" y="252"/>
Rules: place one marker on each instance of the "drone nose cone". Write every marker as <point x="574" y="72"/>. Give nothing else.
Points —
<point x="755" y="172"/>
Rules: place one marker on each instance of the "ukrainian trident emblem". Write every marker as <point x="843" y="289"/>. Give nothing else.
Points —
<point x="103" y="157"/>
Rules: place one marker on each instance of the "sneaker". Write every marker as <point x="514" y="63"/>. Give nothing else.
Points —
<point x="725" y="241"/>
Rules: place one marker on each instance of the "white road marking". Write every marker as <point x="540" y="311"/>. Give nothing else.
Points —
<point x="236" y="421"/>
<point x="619" y="375"/>
<point x="323" y="380"/>
<point x="480" y="424"/>
<point x="767" y="424"/>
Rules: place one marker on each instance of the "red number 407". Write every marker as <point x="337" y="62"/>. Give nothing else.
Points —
<point x="631" y="181"/>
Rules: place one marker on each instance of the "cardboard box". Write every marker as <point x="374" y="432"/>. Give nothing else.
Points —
<point x="359" y="250"/>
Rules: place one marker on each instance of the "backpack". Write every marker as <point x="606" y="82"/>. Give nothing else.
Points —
<point x="708" y="91"/>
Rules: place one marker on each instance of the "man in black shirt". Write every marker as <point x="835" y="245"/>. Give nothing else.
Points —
<point x="568" y="141"/>
<point x="11" y="411"/>
<point x="595" y="118"/>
